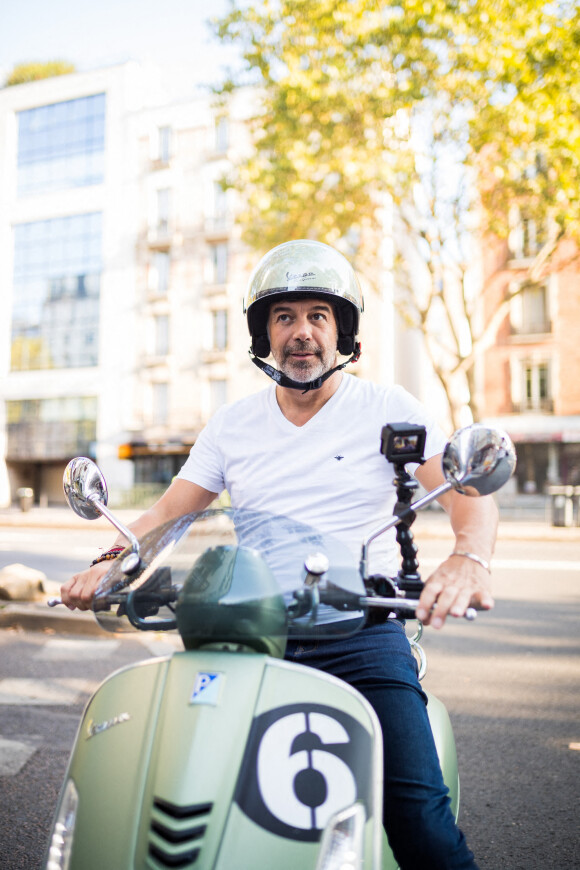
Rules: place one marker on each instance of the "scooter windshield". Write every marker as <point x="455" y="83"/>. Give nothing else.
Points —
<point x="235" y="576"/>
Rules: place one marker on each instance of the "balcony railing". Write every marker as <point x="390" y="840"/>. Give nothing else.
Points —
<point x="41" y="440"/>
<point x="532" y="327"/>
<point x="544" y="406"/>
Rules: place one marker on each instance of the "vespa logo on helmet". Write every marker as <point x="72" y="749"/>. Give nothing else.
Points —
<point x="299" y="276"/>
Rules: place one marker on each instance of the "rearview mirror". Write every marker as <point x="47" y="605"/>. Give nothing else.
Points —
<point x="478" y="460"/>
<point x="84" y="487"/>
<point x="86" y="493"/>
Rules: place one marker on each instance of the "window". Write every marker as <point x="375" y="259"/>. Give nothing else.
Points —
<point x="532" y="387"/>
<point x="219" y="329"/>
<point x="163" y="196"/>
<point x="527" y="236"/>
<point x="530" y="310"/>
<point x="56" y="428"/>
<point x="537" y="390"/>
<point x="57" y="277"/>
<point x="164" y="144"/>
<point x="160" y="403"/>
<point x="219" y="261"/>
<point x="159" y="275"/>
<point x="162" y="335"/>
<point x="535" y="309"/>
<point x="61" y="145"/>
<point x="218" y="394"/>
<point x="157" y="469"/>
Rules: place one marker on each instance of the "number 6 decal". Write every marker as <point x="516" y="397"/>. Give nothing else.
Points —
<point x="303" y="763"/>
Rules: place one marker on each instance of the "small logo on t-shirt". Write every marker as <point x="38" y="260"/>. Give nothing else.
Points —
<point x="338" y="458"/>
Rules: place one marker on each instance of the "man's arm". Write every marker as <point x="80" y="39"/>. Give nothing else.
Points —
<point x="180" y="498"/>
<point x="460" y="581"/>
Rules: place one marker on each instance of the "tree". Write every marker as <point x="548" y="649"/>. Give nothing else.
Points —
<point x="449" y="110"/>
<point x="32" y="72"/>
<point x="524" y="75"/>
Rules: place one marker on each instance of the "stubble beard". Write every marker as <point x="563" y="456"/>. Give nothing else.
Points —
<point x="304" y="370"/>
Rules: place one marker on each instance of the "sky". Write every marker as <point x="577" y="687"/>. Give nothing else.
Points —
<point x="96" y="33"/>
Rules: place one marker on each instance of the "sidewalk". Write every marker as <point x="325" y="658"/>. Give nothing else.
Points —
<point x="58" y="518"/>
<point x="515" y="523"/>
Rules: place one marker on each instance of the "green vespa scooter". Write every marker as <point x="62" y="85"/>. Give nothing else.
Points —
<point x="224" y="755"/>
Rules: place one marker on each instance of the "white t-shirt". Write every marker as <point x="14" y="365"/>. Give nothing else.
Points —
<point x="329" y="473"/>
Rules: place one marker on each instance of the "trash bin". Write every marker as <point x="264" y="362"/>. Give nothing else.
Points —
<point x="25" y="496"/>
<point x="564" y="505"/>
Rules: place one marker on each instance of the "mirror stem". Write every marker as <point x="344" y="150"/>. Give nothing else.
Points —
<point x="394" y="521"/>
<point x="102" y="509"/>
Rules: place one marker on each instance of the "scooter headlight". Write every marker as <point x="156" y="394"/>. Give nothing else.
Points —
<point x="342" y="844"/>
<point x="63" y="831"/>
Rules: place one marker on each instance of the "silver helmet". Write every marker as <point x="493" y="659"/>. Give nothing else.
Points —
<point x="295" y="270"/>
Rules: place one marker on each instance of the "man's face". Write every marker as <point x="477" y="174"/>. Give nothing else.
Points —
<point x="303" y="337"/>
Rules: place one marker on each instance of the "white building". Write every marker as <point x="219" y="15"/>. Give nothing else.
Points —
<point x="122" y="277"/>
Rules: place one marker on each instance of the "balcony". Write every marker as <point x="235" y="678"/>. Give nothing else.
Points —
<point x="539" y="406"/>
<point x="163" y="236"/>
<point x="41" y="440"/>
<point x="218" y="227"/>
<point x="532" y="328"/>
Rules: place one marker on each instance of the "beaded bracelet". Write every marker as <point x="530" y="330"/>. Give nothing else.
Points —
<point x="474" y="558"/>
<point x="110" y="554"/>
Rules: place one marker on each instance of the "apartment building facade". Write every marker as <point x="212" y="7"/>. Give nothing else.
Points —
<point x="531" y="375"/>
<point x="122" y="276"/>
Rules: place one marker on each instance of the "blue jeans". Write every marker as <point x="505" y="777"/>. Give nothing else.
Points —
<point x="417" y="816"/>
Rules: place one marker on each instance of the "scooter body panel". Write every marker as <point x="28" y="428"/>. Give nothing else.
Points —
<point x="189" y="761"/>
<point x="193" y="761"/>
<point x="446" y="749"/>
<point x="110" y="762"/>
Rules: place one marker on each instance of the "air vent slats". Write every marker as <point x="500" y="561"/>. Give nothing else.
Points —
<point x="182" y="812"/>
<point x="176" y="833"/>
<point x="183" y="859"/>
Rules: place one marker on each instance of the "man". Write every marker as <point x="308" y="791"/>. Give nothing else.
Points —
<point x="308" y="448"/>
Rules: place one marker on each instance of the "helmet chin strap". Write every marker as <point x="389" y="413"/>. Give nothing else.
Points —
<point x="284" y="381"/>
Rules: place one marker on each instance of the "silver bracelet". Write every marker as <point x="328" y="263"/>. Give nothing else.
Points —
<point x="474" y="558"/>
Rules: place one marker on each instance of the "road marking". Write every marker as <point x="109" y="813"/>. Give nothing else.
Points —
<point x="62" y="649"/>
<point x="52" y="693"/>
<point x="13" y="756"/>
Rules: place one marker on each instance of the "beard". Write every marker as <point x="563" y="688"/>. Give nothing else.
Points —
<point x="304" y="370"/>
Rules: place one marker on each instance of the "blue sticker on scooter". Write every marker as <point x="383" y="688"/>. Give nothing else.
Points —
<point x="303" y="763"/>
<point x="206" y="688"/>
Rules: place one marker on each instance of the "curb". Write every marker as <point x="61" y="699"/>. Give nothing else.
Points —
<point x="41" y="617"/>
<point x="436" y="525"/>
<point x="430" y="523"/>
<point x="60" y="518"/>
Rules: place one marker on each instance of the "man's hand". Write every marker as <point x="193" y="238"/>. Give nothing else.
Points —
<point x="180" y="498"/>
<point x="458" y="583"/>
<point x="80" y="589"/>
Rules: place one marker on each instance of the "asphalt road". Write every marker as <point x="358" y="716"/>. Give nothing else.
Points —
<point x="510" y="681"/>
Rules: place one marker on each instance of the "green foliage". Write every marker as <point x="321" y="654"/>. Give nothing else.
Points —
<point x="336" y="75"/>
<point x="446" y="109"/>
<point x="32" y="72"/>
<point x="521" y="62"/>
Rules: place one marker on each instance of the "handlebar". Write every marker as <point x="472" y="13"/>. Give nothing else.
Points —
<point x="342" y="600"/>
